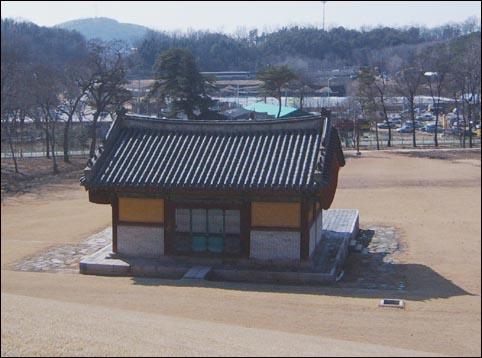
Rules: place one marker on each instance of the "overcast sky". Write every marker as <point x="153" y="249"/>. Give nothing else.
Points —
<point x="229" y="16"/>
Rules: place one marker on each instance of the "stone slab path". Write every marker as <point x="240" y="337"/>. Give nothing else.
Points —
<point x="65" y="257"/>
<point x="376" y="267"/>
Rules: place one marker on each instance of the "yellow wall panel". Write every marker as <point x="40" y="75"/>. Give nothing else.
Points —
<point x="141" y="210"/>
<point x="310" y="212"/>
<point x="275" y="214"/>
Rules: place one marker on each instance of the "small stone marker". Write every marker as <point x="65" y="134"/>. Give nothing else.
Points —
<point x="392" y="303"/>
<point x="197" y="273"/>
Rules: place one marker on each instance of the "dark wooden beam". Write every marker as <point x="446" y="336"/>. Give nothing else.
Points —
<point x="275" y="228"/>
<point x="140" y="223"/>
<point x="100" y="197"/>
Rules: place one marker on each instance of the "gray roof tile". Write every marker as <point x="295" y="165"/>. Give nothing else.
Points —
<point x="161" y="154"/>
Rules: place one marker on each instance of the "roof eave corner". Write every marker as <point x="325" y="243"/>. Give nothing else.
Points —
<point x="339" y="150"/>
<point x="318" y="177"/>
<point x="84" y="179"/>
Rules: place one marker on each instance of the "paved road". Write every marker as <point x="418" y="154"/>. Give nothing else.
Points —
<point x="78" y="153"/>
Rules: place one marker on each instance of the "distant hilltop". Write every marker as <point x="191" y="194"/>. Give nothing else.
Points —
<point x="106" y="29"/>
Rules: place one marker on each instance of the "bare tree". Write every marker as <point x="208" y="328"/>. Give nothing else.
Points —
<point x="302" y="84"/>
<point x="465" y="79"/>
<point x="472" y="75"/>
<point x="9" y="127"/>
<point x="367" y="96"/>
<point x="47" y="87"/>
<point x="105" y="82"/>
<point x="437" y="68"/>
<point x="407" y="84"/>
<point x="11" y="71"/>
<point x="71" y="100"/>
<point x="17" y="100"/>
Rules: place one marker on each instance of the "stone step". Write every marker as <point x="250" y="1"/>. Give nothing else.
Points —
<point x="197" y="273"/>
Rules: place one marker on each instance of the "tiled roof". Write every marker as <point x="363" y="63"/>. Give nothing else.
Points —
<point x="141" y="152"/>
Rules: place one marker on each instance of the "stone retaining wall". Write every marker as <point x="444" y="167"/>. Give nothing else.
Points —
<point x="342" y="225"/>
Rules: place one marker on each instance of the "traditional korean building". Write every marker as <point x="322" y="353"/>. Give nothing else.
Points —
<point x="229" y="189"/>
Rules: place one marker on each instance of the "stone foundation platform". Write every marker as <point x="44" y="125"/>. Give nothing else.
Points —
<point x="339" y="227"/>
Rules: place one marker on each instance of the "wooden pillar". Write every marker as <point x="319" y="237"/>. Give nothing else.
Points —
<point x="245" y="228"/>
<point x="115" y="222"/>
<point x="304" y="230"/>
<point x="169" y="224"/>
<point x="314" y="215"/>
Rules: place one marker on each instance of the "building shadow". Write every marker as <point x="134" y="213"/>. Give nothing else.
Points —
<point x="437" y="286"/>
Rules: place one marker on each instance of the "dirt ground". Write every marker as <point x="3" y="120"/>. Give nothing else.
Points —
<point x="37" y="172"/>
<point x="434" y="205"/>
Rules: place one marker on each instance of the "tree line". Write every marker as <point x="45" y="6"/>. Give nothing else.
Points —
<point x="449" y="69"/>
<point x="249" y="50"/>
<point x="49" y="73"/>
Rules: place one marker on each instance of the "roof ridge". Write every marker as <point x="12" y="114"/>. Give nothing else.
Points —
<point x="314" y="122"/>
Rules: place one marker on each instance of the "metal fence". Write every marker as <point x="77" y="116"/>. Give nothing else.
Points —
<point x="348" y="140"/>
<point x="368" y="140"/>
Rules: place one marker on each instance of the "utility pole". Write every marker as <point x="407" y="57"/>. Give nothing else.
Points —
<point x="139" y="96"/>
<point x="324" y="2"/>
<point x="329" y="90"/>
<point x="357" y="131"/>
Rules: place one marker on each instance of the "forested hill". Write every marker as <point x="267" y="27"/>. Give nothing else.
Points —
<point x="305" y="48"/>
<point x="106" y="29"/>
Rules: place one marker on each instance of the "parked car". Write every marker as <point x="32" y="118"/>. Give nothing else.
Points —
<point x="395" y="120"/>
<point x="459" y="123"/>
<point x="386" y="124"/>
<point x="405" y="129"/>
<point x="430" y="128"/>
<point x="425" y="117"/>
<point x="418" y="124"/>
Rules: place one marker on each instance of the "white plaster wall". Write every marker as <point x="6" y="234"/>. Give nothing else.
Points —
<point x="313" y="241"/>
<point x="319" y="226"/>
<point x="275" y="245"/>
<point x="140" y="241"/>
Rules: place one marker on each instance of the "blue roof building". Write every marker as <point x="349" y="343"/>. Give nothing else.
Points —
<point x="272" y="110"/>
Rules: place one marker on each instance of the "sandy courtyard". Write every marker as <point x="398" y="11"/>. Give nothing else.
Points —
<point x="434" y="204"/>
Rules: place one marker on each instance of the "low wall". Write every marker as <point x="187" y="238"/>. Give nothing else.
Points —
<point x="279" y="277"/>
<point x="342" y="225"/>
